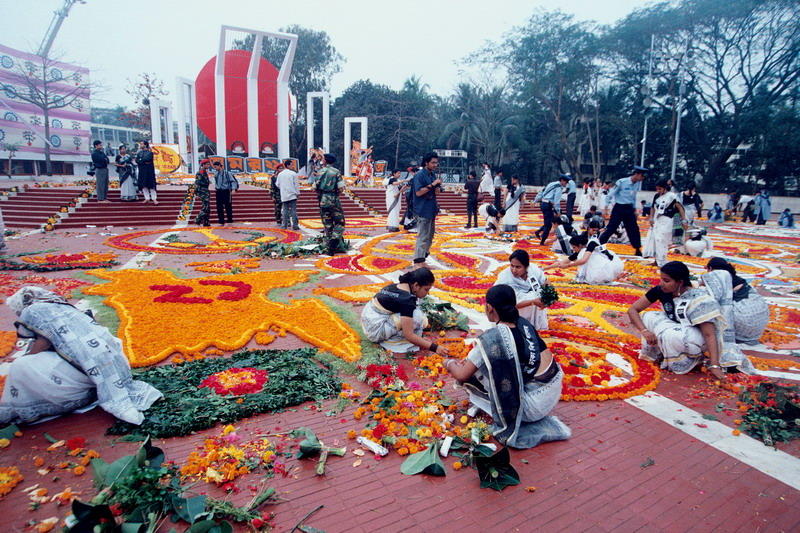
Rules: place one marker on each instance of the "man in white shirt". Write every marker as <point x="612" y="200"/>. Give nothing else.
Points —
<point x="290" y="190"/>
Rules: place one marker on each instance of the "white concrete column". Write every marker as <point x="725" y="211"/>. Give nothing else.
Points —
<point x="283" y="95"/>
<point x="219" y="96"/>
<point x="326" y="126"/>
<point x="187" y="116"/>
<point x="348" y="124"/>
<point x="252" y="98"/>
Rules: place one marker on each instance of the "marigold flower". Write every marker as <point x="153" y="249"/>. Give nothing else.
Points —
<point x="457" y="465"/>
<point x="79" y="470"/>
<point x="5" y="443"/>
<point x="38" y="461"/>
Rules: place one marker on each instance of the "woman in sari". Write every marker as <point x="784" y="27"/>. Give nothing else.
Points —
<point x="511" y="375"/>
<point x="514" y="198"/>
<point x="491" y="216"/>
<point x="393" y="319"/>
<point x="665" y="206"/>
<point x="127" y="183"/>
<point x="395" y="187"/>
<point x="527" y="281"/>
<point x="691" y="323"/>
<point x="750" y="312"/>
<point x="147" y="173"/>
<point x="763" y="207"/>
<point x="596" y="264"/>
<point x="591" y="195"/>
<point x="564" y="232"/>
<point x="72" y="362"/>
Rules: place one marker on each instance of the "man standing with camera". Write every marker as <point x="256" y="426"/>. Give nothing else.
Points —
<point x="425" y="185"/>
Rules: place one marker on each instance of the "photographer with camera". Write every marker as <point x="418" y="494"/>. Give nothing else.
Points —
<point x="425" y="185"/>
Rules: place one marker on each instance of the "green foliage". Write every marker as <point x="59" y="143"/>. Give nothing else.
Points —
<point x="145" y="490"/>
<point x="774" y="414"/>
<point x="495" y="471"/>
<point x="294" y="377"/>
<point x="273" y="250"/>
<point x="442" y="316"/>
<point x="549" y="295"/>
<point x="424" y="462"/>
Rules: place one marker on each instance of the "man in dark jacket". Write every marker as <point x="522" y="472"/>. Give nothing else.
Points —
<point x="100" y="161"/>
<point x="224" y="186"/>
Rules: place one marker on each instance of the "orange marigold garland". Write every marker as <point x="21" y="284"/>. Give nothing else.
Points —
<point x="76" y="260"/>
<point x="9" y="478"/>
<point x="226" y="266"/>
<point x="353" y="294"/>
<point x="216" y="245"/>
<point x="8" y="341"/>
<point x="224" y="458"/>
<point x="147" y="300"/>
<point x="588" y="375"/>
<point x="361" y="264"/>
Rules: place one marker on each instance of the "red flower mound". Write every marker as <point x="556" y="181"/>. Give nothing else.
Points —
<point x="76" y="443"/>
<point x="237" y="381"/>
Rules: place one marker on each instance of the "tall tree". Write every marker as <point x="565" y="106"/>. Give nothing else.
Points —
<point x="551" y="64"/>
<point x="142" y="89"/>
<point x="745" y="55"/>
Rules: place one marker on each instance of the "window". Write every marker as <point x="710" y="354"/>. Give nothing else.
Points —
<point x="21" y="167"/>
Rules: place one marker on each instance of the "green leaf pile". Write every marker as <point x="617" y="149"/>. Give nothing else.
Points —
<point x="295" y="376"/>
<point x="443" y="316"/>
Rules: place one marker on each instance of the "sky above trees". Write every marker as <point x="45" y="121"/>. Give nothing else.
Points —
<point x="386" y="42"/>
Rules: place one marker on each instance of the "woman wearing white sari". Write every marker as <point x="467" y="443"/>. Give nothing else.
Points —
<point x="487" y="182"/>
<point x="71" y="362"/>
<point x="393" y="319"/>
<point x="596" y="264"/>
<point x="750" y="310"/>
<point x="591" y="196"/>
<point x="514" y="198"/>
<point x="692" y="322"/>
<point x="394" y="191"/>
<point x="125" y="170"/>
<point x="527" y="281"/>
<point x="511" y="375"/>
<point x="665" y="206"/>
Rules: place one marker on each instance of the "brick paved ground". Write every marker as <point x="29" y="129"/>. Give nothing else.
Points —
<point x="595" y="481"/>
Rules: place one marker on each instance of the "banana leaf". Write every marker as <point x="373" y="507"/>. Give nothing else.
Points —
<point x="495" y="471"/>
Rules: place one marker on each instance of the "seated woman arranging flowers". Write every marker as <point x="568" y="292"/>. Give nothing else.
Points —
<point x="596" y="264"/>
<point x="750" y="309"/>
<point x="528" y="282"/>
<point x="691" y="323"/>
<point x="393" y="319"/>
<point x="511" y="375"/>
<point x="71" y="362"/>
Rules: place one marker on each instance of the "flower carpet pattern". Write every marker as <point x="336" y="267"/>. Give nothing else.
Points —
<point x="361" y="264"/>
<point x="763" y="232"/>
<point x="148" y="301"/>
<point x="211" y="243"/>
<point x="192" y="399"/>
<point x="188" y="333"/>
<point x="9" y="284"/>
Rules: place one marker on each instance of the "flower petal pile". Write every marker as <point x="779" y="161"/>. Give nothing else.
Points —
<point x="236" y="381"/>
